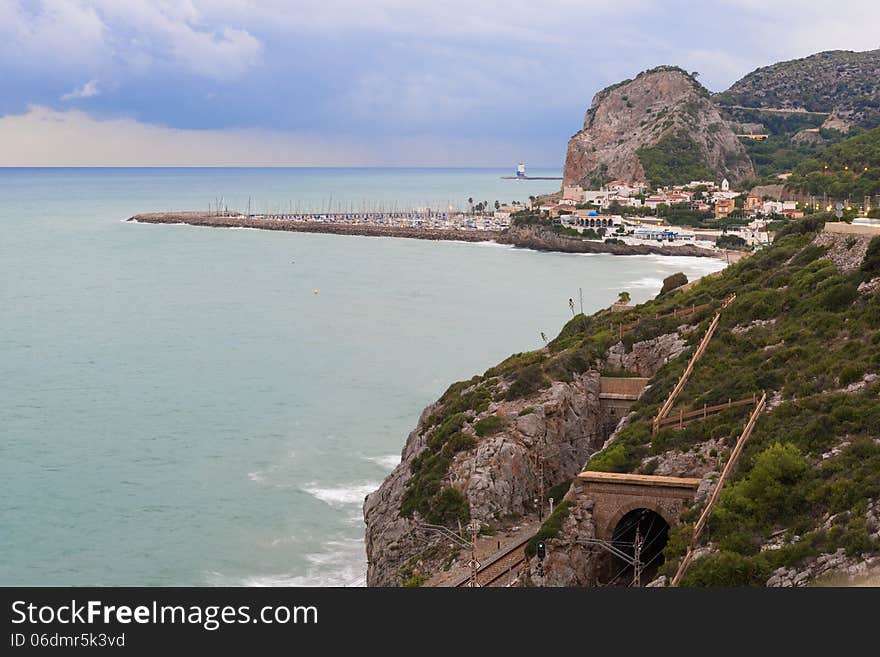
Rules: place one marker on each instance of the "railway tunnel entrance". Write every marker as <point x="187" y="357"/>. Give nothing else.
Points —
<point x="641" y="535"/>
<point x="629" y="506"/>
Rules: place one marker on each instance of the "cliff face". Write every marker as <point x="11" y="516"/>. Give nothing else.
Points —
<point x="661" y="127"/>
<point x="561" y="422"/>
<point x="497" y="475"/>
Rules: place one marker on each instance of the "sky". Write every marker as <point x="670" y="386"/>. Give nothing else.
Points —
<point x="363" y="82"/>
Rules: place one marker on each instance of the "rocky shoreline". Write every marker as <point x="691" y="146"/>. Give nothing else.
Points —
<point x="524" y="237"/>
<point x="540" y="239"/>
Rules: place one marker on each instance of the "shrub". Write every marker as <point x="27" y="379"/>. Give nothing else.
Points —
<point x="558" y="491"/>
<point x="808" y="254"/>
<point x="488" y="426"/>
<point x="838" y="297"/>
<point x="676" y="158"/>
<point x="851" y="374"/>
<point x="447" y="507"/>
<point x="769" y="494"/>
<point x="617" y="458"/>
<point x="550" y="529"/>
<point x="811" y="224"/>
<point x="727" y="569"/>
<point x="416" y="581"/>
<point x="730" y="242"/>
<point x="672" y="282"/>
<point x="459" y="442"/>
<point x="871" y="263"/>
<point x="528" y="381"/>
<point x="572" y="361"/>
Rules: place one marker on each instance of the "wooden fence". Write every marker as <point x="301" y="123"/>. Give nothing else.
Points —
<point x="682" y="418"/>
<point x="625" y="328"/>
<point x="716" y="494"/>
<point x="704" y="343"/>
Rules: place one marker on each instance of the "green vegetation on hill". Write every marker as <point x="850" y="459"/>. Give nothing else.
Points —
<point x="779" y="154"/>
<point x="848" y="169"/>
<point x="804" y="334"/>
<point x="549" y="529"/>
<point x="836" y="81"/>
<point x="675" y="159"/>
<point x="817" y="335"/>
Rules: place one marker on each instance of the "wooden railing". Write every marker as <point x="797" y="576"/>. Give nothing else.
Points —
<point x="683" y="313"/>
<point x="625" y="328"/>
<point x="716" y="494"/>
<point x="683" y="419"/>
<point x="704" y="343"/>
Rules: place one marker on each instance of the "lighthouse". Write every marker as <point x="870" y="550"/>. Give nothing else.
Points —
<point x="520" y="170"/>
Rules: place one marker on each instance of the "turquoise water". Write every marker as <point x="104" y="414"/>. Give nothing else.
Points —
<point x="177" y="406"/>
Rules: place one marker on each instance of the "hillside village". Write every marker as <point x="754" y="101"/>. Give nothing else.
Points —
<point x="701" y="211"/>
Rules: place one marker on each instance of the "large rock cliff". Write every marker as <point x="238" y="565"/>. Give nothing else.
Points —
<point x="497" y="475"/>
<point x="662" y="127"/>
<point x="560" y="422"/>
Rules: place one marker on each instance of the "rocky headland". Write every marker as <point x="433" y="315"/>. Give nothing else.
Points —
<point x="662" y="123"/>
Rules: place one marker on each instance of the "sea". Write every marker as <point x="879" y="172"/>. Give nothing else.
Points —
<point x="195" y="406"/>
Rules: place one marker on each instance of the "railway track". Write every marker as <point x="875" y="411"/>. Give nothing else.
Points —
<point x="496" y="569"/>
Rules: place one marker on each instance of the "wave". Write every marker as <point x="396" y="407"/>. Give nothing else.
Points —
<point x="647" y="282"/>
<point x="389" y="461"/>
<point x="342" y="495"/>
<point x="340" y="563"/>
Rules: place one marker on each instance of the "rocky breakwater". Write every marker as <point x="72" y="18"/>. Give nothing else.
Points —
<point x="261" y="223"/>
<point x="495" y="477"/>
<point x="661" y="127"/>
<point x="540" y="238"/>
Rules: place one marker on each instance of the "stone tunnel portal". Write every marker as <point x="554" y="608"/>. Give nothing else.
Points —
<point x="653" y="533"/>
<point x="624" y="504"/>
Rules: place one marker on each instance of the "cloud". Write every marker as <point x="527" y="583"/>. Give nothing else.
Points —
<point x="45" y="137"/>
<point x="124" y="38"/>
<point x="496" y="72"/>
<point x="88" y="90"/>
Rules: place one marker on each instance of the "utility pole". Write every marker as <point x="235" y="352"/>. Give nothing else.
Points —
<point x="541" y="494"/>
<point x="461" y="542"/>
<point x="637" y="558"/>
<point x="474" y="563"/>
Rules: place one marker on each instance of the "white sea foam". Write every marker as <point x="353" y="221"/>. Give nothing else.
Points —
<point x="491" y="244"/>
<point x="262" y="477"/>
<point x="342" y="495"/>
<point x="389" y="461"/>
<point x="340" y="563"/>
<point x="648" y="282"/>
